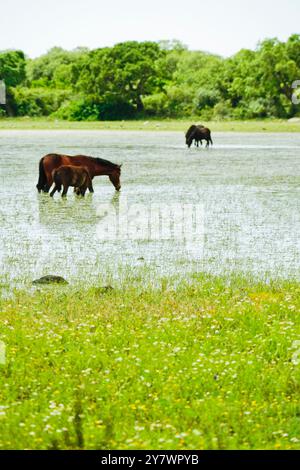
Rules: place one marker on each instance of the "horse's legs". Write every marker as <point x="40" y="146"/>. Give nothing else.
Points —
<point x="65" y="190"/>
<point x="47" y="186"/>
<point x="53" y="191"/>
<point x="90" y="186"/>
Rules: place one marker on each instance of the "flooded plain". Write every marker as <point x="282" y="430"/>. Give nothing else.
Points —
<point x="246" y="187"/>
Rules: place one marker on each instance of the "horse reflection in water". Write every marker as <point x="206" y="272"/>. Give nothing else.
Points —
<point x="71" y="216"/>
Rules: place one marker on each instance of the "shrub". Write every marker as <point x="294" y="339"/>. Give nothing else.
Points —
<point x="222" y="110"/>
<point x="86" y="109"/>
<point x="156" y="105"/>
<point x="78" y="110"/>
<point x="37" y="101"/>
<point x="113" y="107"/>
<point x="180" y="101"/>
<point x="256" y="109"/>
<point x="205" y="99"/>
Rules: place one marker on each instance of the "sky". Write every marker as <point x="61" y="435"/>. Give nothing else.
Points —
<point x="219" y="26"/>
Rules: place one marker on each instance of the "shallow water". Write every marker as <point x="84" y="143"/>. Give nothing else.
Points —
<point x="246" y="188"/>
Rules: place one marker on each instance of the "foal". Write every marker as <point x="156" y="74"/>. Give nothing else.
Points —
<point x="67" y="175"/>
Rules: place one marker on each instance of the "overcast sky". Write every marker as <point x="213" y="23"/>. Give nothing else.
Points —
<point x="219" y="26"/>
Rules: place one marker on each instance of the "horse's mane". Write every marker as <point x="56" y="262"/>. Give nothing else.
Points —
<point x="106" y="162"/>
<point x="102" y="161"/>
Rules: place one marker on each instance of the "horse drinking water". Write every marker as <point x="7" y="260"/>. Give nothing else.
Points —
<point x="198" y="133"/>
<point x="95" y="167"/>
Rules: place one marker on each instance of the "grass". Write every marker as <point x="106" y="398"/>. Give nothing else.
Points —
<point x="25" y="123"/>
<point x="210" y="364"/>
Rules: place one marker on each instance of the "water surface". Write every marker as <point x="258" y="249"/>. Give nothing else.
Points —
<point x="247" y="185"/>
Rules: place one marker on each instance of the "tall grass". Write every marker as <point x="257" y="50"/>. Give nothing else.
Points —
<point x="208" y="364"/>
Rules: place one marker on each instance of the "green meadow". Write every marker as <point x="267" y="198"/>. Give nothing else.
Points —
<point x="272" y="125"/>
<point x="210" y="363"/>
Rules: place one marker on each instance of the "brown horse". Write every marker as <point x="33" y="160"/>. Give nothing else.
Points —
<point x="95" y="167"/>
<point x="198" y="133"/>
<point x="67" y="175"/>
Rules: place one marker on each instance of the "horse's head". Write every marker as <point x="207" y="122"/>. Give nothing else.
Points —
<point x="189" y="136"/>
<point x="115" y="177"/>
<point x="189" y="140"/>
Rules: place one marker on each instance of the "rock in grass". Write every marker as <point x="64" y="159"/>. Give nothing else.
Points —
<point x="50" y="279"/>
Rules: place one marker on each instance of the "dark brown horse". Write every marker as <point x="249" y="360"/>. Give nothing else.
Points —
<point x="95" y="167"/>
<point x="198" y="133"/>
<point x="76" y="176"/>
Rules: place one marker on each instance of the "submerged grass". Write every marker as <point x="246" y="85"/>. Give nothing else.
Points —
<point x="271" y="125"/>
<point x="208" y="364"/>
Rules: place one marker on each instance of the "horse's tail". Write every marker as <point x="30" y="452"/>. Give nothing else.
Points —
<point x="210" y="140"/>
<point x="42" y="176"/>
<point x="57" y="180"/>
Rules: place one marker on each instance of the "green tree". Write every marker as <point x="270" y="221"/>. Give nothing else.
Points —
<point x="12" y="71"/>
<point x="258" y="83"/>
<point x="192" y="86"/>
<point x="129" y="70"/>
<point x="12" y="67"/>
<point x="158" y="79"/>
<point x="277" y="71"/>
<point x="56" y="69"/>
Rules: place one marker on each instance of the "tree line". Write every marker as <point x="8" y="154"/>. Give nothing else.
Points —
<point x="154" y="79"/>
